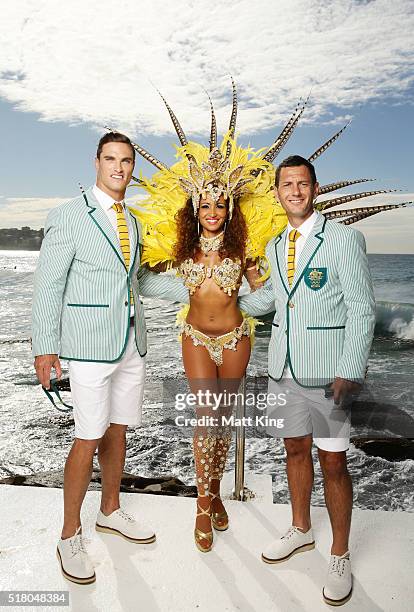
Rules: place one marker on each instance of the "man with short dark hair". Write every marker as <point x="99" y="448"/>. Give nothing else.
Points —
<point x="114" y="137"/>
<point x="87" y="309"/>
<point x="296" y="161"/>
<point x="321" y="290"/>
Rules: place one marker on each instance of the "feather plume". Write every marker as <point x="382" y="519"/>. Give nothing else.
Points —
<point x="233" y="117"/>
<point x="213" y="128"/>
<point x="286" y="133"/>
<point x="362" y="210"/>
<point x="180" y="132"/>
<point x="349" y="198"/>
<point x="327" y="144"/>
<point x="340" y="185"/>
<point x="359" y="217"/>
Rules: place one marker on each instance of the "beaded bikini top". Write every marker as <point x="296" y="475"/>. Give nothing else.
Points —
<point x="226" y="275"/>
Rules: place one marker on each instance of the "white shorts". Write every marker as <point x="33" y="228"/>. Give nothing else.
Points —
<point x="308" y="412"/>
<point x="105" y="393"/>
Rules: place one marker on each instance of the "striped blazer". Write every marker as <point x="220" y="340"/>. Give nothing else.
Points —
<point x="324" y="323"/>
<point x="81" y="301"/>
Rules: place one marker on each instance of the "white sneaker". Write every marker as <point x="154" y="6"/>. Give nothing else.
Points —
<point x="294" y="541"/>
<point x="74" y="561"/>
<point x="123" y="524"/>
<point x="338" y="586"/>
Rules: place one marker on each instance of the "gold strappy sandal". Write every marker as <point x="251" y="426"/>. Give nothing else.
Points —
<point x="219" y="520"/>
<point x="201" y="535"/>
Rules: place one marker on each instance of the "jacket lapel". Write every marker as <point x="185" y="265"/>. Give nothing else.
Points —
<point x="100" y="218"/>
<point x="133" y="238"/>
<point x="312" y="244"/>
<point x="280" y="246"/>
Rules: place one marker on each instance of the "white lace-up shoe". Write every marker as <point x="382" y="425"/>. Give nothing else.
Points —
<point x="74" y="561"/>
<point x="294" y="541"/>
<point x="123" y="524"/>
<point x="338" y="586"/>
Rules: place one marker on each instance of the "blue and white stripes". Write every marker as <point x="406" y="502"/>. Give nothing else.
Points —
<point x="81" y="301"/>
<point x="325" y="331"/>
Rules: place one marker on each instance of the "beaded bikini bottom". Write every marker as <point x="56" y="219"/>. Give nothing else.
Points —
<point x="215" y="345"/>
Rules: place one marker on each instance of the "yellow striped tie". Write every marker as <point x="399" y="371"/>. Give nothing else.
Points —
<point x="293" y="236"/>
<point x="123" y="236"/>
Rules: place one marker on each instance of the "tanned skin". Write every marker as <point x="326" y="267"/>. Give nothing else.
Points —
<point x="214" y="313"/>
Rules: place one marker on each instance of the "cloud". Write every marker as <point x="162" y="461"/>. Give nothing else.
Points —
<point x="32" y="212"/>
<point x="94" y="61"/>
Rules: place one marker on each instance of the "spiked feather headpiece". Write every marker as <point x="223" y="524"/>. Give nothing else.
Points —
<point x="215" y="178"/>
<point x="232" y="171"/>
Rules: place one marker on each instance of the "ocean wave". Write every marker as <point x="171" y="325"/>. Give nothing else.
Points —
<point x="395" y="319"/>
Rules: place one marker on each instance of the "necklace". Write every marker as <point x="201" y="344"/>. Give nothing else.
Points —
<point x="211" y="244"/>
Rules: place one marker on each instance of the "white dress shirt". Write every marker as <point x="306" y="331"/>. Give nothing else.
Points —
<point x="304" y="230"/>
<point x="106" y="203"/>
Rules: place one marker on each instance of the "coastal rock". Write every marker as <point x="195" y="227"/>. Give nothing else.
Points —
<point x="163" y="485"/>
<point x="391" y="449"/>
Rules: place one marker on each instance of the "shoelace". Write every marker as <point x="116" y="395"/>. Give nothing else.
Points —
<point x="291" y="531"/>
<point x="77" y="544"/>
<point x="337" y="565"/>
<point x="126" y="516"/>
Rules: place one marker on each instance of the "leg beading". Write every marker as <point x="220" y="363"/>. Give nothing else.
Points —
<point x="221" y="448"/>
<point x="203" y="447"/>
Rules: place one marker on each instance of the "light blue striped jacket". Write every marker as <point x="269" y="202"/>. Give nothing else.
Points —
<point x="324" y="322"/>
<point x="81" y="300"/>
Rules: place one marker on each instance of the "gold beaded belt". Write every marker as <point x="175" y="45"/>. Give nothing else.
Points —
<point x="215" y="345"/>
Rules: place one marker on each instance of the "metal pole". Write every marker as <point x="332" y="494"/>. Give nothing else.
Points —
<point x="240" y="443"/>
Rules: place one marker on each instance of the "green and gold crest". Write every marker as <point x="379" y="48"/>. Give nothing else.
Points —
<point x="315" y="278"/>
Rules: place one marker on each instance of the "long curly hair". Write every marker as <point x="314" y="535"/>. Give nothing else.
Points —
<point x="235" y="236"/>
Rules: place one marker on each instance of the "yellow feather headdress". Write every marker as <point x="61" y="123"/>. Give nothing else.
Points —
<point x="230" y="170"/>
<point x="264" y="217"/>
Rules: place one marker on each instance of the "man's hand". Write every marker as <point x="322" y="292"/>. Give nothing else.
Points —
<point x="43" y="365"/>
<point x="342" y="387"/>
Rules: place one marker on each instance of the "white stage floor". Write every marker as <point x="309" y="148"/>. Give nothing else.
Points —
<point x="172" y="575"/>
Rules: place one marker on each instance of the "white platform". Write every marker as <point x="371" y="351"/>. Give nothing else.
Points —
<point x="171" y="575"/>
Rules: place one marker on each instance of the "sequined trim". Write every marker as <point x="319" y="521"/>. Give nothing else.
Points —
<point x="226" y="275"/>
<point x="211" y="244"/>
<point x="215" y="345"/>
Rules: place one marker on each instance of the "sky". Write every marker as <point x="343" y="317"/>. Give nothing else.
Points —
<point x="68" y="69"/>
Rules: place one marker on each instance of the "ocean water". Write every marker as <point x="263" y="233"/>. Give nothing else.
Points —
<point x="35" y="437"/>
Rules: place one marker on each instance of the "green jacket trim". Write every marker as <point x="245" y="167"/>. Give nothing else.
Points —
<point x="327" y="327"/>
<point x="131" y="265"/>
<point x="275" y="379"/>
<point x="278" y="266"/>
<point x="106" y="236"/>
<point x="128" y="287"/>
<point x="88" y="305"/>
<point x="97" y="360"/>
<point x="320" y="238"/>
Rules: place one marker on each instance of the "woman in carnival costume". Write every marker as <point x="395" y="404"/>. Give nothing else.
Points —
<point x="210" y="216"/>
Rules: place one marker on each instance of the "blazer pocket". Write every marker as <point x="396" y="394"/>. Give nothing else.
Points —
<point x="88" y="305"/>
<point x="275" y="324"/>
<point x="315" y="327"/>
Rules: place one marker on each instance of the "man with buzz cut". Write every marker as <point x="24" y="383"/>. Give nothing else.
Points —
<point x="87" y="309"/>
<point x="321" y="291"/>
